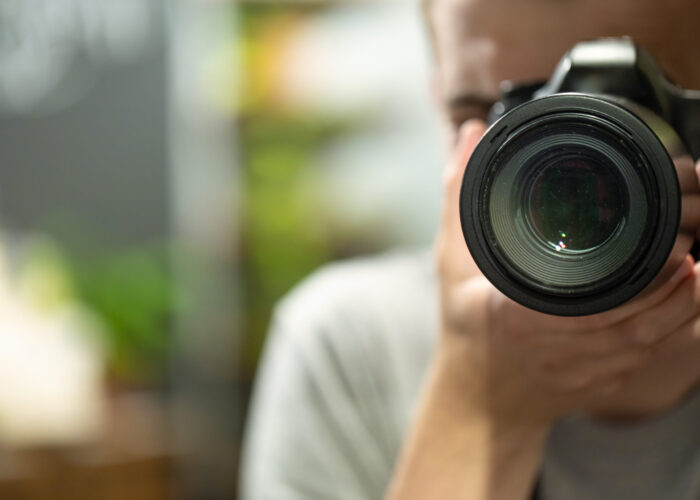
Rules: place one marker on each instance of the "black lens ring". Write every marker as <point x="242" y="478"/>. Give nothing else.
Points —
<point x="661" y="233"/>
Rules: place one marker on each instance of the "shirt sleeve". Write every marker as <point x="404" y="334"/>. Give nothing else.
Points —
<point x="314" y="429"/>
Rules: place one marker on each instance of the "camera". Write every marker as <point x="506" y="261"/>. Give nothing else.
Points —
<point x="572" y="203"/>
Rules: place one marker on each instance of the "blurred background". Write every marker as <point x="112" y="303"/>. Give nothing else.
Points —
<point x="168" y="170"/>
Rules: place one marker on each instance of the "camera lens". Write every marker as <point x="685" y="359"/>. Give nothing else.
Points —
<point x="575" y="205"/>
<point x="570" y="204"/>
<point x="566" y="207"/>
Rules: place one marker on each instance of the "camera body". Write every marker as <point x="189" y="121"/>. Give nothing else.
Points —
<point x="572" y="202"/>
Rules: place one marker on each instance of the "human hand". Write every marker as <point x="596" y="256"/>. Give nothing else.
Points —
<point x="520" y="366"/>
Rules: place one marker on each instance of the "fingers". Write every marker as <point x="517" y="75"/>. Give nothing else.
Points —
<point x="600" y="361"/>
<point x="599" y="373"/>
<point x="654" y="324"/>
<point x="633" y="334"/>
<point x="686" y="173"/>
<point x="684" y="338"/>
<point x="596" y="344"/>
<point x="469" y="135"/>
<point x="690" y="219"/>
<point x="453" y="256"/>
<point x="557" y="325"/>
<point x="690" y="214"/>
<point x="646" y="301"/>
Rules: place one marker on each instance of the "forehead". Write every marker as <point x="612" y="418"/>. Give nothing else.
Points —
<point x="480" y="43"/>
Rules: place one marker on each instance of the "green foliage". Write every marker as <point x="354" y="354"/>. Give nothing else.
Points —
<point x="284" y="233"/>
<point x="132" y="293"/>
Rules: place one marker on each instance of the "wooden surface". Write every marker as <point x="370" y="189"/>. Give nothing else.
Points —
<point x="131" y="460"/>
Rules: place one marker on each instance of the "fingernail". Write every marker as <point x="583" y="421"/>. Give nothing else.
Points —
<point x="683" y="270"/>
<point x="465" y="128"/>
<point x="469" y="128"/>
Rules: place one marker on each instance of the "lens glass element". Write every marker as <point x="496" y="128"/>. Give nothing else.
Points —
<point x="566" y="204"/>
<point x="575" y="205"/>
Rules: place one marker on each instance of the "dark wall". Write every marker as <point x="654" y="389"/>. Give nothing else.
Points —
<point x="95" y="161"/>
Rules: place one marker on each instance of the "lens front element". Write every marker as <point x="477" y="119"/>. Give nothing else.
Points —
<point x="567" y="205"/>
<point x="575" y="204"/>
<point x="570" y="203"/>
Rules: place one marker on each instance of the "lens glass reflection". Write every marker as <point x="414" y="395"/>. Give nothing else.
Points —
<point x="575" y="205"/>
<point x="567" y="206"/>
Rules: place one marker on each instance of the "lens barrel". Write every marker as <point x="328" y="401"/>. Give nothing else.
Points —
<point x="571" y="204"/>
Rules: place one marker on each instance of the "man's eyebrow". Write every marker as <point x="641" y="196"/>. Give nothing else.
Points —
<point x="471" y="100"/>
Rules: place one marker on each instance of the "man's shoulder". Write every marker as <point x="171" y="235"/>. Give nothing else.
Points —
<point x="377" y="314"/>
<point x="395" y="284"/>
<point x="342" y="368"/>
<point x="365" y="328"/>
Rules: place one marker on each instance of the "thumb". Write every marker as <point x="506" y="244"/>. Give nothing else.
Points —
<point x="452" y="250"/>
<point x="468" y="137"/>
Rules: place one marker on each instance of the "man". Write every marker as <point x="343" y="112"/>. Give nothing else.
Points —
<point x="396" y="377"/>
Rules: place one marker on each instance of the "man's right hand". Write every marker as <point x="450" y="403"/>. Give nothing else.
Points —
<point x="503" y="373"/>
<point x="525" y="366"/>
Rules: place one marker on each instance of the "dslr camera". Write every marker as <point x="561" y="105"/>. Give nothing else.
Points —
<point x="578" y="196"/>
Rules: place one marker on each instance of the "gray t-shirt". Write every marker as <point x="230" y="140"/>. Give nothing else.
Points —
<point x="340" y="378"/>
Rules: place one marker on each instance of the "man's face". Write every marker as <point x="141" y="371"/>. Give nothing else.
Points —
<point x="480" y="43"/>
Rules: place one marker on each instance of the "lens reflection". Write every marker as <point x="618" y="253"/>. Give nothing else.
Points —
<point x="567" y="210"/>
<point x="575" y="205"/>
